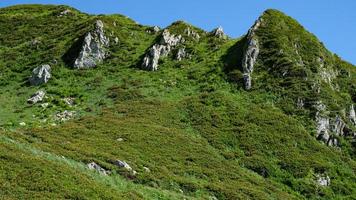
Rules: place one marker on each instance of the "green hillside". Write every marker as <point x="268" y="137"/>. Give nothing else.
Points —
<point x="173" y="104"/>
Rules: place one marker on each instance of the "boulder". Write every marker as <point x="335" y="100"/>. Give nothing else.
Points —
<point x="40" y="75"/>
<point x="93" y="50"/>
<point x="123" y="164"/>
<point x="37" y="97"/>
<point x="98" y="168"/>
<point x="162" y="49"/>
<point x="251" y="52"/>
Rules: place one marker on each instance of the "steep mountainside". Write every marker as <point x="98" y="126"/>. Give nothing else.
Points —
<point x="100" y="107"/>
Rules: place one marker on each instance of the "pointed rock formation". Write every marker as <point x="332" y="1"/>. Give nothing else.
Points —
<point x="40" y="75"/>
<point x="93" y="50"/>
<point x="163" y="48"/>
<point x="219" y="33"/>
<point x="250" y="54"/>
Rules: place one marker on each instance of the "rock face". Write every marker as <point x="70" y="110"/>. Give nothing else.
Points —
<point x="192" y="33"/>
<point x="352" y="115"/>
<point x="250" y="54"/>
<point x="219" y="33"/>
<point x="65" y="12"/>
<point x="37" y="97"/>
<point x="40" y="75"/>
<point x="162" y="49"/>
<point x="328" y="128"/>
<point x="93" y="50"/>
<point x="98" y="168"/>
<point x="181" y="54"/>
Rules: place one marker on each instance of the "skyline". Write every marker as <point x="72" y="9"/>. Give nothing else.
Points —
<point x="331" y="21"/>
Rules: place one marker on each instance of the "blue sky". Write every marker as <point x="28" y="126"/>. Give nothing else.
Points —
<point x="333" y="21"/>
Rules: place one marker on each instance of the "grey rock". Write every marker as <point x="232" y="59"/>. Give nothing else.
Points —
<point x="352" y="115"/>
<point x="181" y="54"/>
<point x="65" y="115"/>
<point x="98" y="168"/>
<point x="93" y="50"/>
<point x="300" y="103"/>
<point x="147" y="169"/>
<point x="156" y="29"/>
<point x="37" y="97"/>
<point x="40" y="75"/>
<point x="338" y="126"/>
<point x="65" y="12"/>
<point x="219" y="33"/>
<point x="192" y="33"/>
<point x="250" y="54"/>
<point x="323" y="180"/>
<point x="123" y="164"/>
<point x="162" y="49"/>
<point x="69" y="101"/>
<point x="116" y="40"/>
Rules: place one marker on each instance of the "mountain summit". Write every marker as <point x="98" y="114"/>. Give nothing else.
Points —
<point x="101" y="107"/>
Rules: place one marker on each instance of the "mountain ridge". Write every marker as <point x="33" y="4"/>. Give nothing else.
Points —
<point x="189" y="126"/>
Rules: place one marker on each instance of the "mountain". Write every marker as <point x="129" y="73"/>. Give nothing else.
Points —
<point x="100" y="107"/>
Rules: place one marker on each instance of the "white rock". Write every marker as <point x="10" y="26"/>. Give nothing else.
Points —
<point x="37" y="97"/>
<point x="219" y="33"/>
<point x="94" y="166"/>
<point x="65" y="115"/>
<point x="40" y="75"/>
<point x="250" y="54"/>
<point x="22" y="124"/>
<point x="93" y="50"/>
<point x="167" y="42"/>
<point x="352" y="115"/>
<point x="323" y="180"/>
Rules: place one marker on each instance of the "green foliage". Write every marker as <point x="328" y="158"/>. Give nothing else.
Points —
<point x="191" y="123"/>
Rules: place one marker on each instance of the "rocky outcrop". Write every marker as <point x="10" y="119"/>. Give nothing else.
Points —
<point x="40" y="75"/>
<point x="65" y="115"/>
<point x="322" y="180"/>
<point x="65" y="13"/>
<point x="352" y="115"/>
<point x="219" y="33"/>
<point x="181" y="54"/>
<point x="191" y="33"/>
<point x="93" y="50"/>
<point x="251" y="52"/>
<point x="123" y="164"/>
<point x="328" y="129"/>
<point x="37" y="97"/>
<point x="98" y="168"/>
<point x="163" y="48"/>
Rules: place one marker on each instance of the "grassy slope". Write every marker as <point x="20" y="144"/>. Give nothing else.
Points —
<point x="195" y="131"/>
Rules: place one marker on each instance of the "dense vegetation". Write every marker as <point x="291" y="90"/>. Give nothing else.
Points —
<point x="191" y="123"/>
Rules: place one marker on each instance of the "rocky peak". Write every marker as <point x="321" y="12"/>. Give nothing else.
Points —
<point x="93" y="50"/>
<point x="251" y="52"/>
<point x="219" y="33"/>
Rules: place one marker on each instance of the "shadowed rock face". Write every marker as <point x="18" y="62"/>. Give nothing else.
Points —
<point x="250" y="55"/>
<point x="93" y="49"/>
<point x="40" y="75"/>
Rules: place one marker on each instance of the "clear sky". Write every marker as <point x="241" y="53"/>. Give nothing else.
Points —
<point x="333" y="21"/>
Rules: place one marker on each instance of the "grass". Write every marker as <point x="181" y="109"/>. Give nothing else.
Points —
<point x="191" y="123"/>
